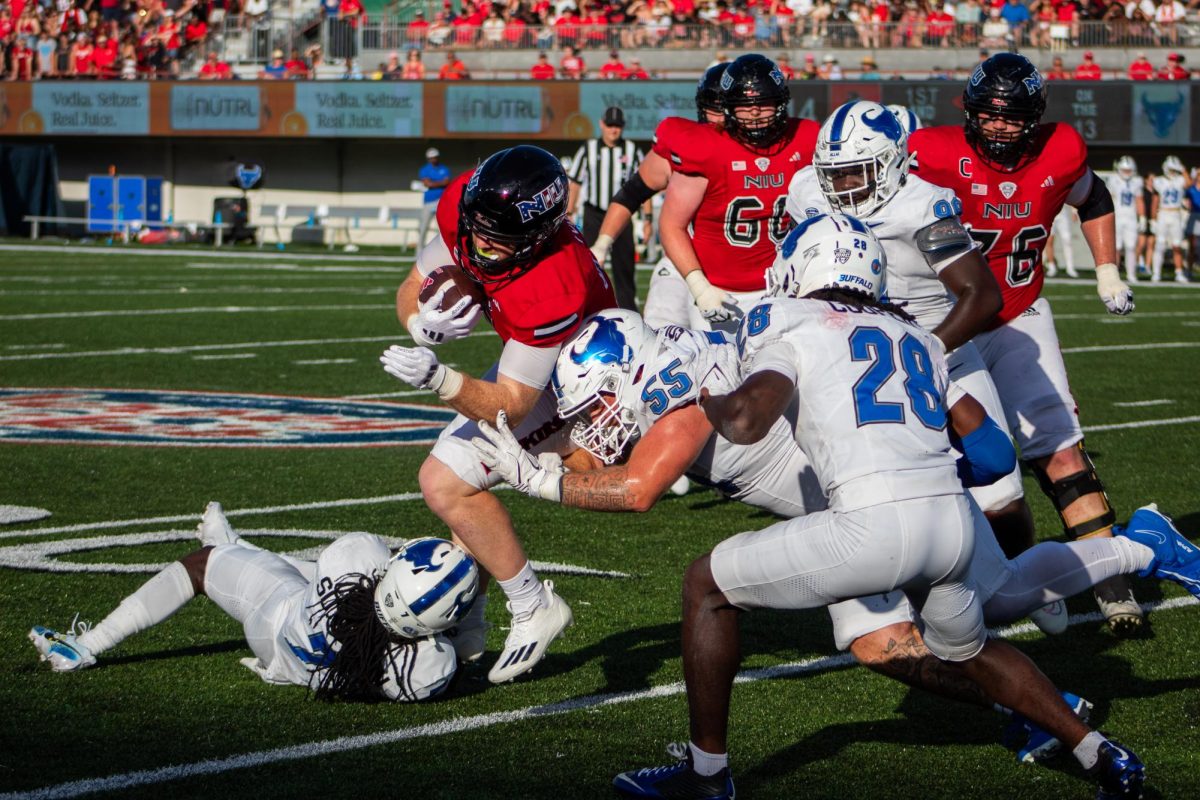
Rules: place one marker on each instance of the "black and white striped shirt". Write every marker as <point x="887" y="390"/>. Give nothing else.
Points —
<point x="602" y="171"/>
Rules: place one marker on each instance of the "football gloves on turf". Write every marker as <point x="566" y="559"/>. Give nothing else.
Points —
<point x="500" y="452"/>
<point x="431" y="326"/>
<point x="1115" y="293"/>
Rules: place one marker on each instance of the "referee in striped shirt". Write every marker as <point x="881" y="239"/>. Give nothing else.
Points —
<point x="598" y="171"/>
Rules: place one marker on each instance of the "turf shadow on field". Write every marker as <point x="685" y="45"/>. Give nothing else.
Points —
<point x="229" y="646"/>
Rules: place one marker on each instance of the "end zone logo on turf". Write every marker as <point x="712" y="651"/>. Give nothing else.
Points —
<point x="210" y="419"/>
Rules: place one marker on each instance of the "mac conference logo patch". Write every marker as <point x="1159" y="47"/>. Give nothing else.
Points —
<point x="210" y="419"/>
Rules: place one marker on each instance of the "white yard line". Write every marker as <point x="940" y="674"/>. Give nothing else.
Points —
<point x="345" y="744"/>
<point x="1110" y="348"/>
<point x="219" y="254"/>
<point x="1144" y="403"/>
<point x="307" y="362"/>
<point x="1145" y="423"/>
<point x="223" y="356"/>
<point x="174" y="290"/>
<point x="155" y="312"/>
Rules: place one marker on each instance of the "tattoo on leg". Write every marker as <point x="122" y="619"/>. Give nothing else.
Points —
<point x="909" y="661"/>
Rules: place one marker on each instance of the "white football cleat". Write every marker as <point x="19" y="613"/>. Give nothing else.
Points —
<point x="214" y="528"/>
<point x="680" y="487"/>
<point x="531" y="633"/>
<point x="1051" y="618"/>
<point x="62" y="650"/>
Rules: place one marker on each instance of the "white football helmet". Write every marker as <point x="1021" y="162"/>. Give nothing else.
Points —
<point x="1126" y="167"/>
<point x="828" y="250"/>
<point x="908" y="120"/>
<point x="1173" y="166"/>
<point x="598" y="370"/>
<point x="861" y="158"/>
<point x="430" y="584"/>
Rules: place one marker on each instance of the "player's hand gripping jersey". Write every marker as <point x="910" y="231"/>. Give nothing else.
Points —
<point x="1009" y="213"/>
<point x="742" y="218"/>
<point x="544" y="305"/>
<point x="871" y="391"/>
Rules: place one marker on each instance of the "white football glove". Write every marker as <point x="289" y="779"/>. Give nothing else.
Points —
<point x="600" y="249"/>
<point x="431" y="326"/>
<point x="1153" y="227"/>
<point x="714" y="303"/>
<point x="500" y="451"/>
<point x="1115" y="293"/>
<point x="1142" y="225"/>
<point x="420" y="369"/>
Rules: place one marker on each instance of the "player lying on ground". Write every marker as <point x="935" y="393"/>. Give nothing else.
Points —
<point x="504" y="225"/>
<point x="356" y="624"/>
<point x="898" y="516"/>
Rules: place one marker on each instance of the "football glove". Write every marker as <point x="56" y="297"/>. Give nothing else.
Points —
<point x="714" y="303"/>
<point x="1141" y="224"/>
<point x="600" y="249"/>
<point x="500" y="452"/>
<point x="1153" y="227"/>
<point x="1115" y="293"/>
<point x="431" y="326"/>
<point x="420" y="369"/>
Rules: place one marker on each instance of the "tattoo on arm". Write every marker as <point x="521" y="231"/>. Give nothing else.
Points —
<point x="598" y="490"/>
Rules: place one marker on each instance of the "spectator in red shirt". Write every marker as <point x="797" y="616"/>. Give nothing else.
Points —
<point x="1174" y="70"/>
<point x="297" y="67"/>
<point x="785" y="67"/>
<point x="454" y="69"/>
<point x="571" y="64"/>
<point x="515" y="30"/>
<point x="105" y="57"/>
<point x="21" y="61"/>
<point x="595" y="26"/>
<point x="81" y="56"/>
<point x="1140" y="69"/>
<point x="566" y="26"/>
<point x="1057" y="71"/>
<point x="414" y="68"/>
<point x="1088" y="70"/>
<point x="635" y="71"/>
<point x="215" y="69"/>
<point x="417" y="29"/>
<point x="195" y="33"/>
<point x="612" y="69"/>
<point x="542" y="70"/>
<point x="742" y="26"/>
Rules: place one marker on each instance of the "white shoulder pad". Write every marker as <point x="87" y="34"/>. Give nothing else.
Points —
<point x="804" y="197"/>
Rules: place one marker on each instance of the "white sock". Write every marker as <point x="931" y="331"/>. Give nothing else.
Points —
<point x="159" y="598"/>
<point x="707" y="763"/>
<point x="1087" y="752"/>
<point x="524" y="590"/>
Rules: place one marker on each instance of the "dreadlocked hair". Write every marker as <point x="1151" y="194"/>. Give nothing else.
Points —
<point x="859" y="301"/>
<point x="356" y="669"/>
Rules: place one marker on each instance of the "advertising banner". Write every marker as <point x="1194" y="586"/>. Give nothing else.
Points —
<point x="85" y="109"/>
<point x="504" y="110"/>
<point x="1099" y="111"/>
<point x="386" y="108"/>
<point x="215" y="107"/>
<point x="645" y="103"/>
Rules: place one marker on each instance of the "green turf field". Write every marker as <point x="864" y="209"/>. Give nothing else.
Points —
<point x="171" y="712"/>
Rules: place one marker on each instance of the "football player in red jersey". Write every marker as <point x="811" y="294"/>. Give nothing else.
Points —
<point x="505" y="224"/>
<point x="668" y="299"/>
<point x="730" y="186"/>
<point x="1013" y="175"/>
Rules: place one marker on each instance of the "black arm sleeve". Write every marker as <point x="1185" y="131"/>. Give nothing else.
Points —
<point x="1097" y="203"/>
<point x="635" y="192"/>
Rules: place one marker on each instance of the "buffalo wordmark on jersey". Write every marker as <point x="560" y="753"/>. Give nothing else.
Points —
<point x="1009" y="213"/>
<point x="742" y="218"/>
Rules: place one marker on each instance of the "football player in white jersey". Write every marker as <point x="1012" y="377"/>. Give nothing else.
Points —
<point x="935" y="270"/>
<point x="1167" y="214"/>
<point x="1125" y="186"/>
<point x="1062" y="232"/>
<point x="898" y="518"/>
<point x="315" y="624"/>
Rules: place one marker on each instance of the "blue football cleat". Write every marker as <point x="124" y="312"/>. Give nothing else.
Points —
<point x="1120" y="772"/>
<point x="1175" y="558"/>
<point x="678" y="780"/>
<point x="1040" y="745"/>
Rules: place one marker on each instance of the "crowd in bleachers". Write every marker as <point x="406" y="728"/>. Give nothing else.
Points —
<point x="133" y="39"/>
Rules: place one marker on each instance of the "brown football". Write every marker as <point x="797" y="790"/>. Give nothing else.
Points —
<point x="461" y="285"/>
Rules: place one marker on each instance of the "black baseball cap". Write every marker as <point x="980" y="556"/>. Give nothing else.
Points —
<point x="613" y="117"/>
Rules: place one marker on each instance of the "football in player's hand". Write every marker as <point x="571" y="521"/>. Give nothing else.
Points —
<point x="458" y="284"/>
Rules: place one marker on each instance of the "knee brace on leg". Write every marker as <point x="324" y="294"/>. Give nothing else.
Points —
<point x="1065" y="491"/>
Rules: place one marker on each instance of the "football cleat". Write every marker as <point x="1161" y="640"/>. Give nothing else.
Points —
<point x="678" y="780"/>
<point x="1120" y="772"/>
<point x="1051" y="618"/>
<point x="1175" y="558"/>
<point x="214" y="528"/>
<point x="530" y="635"/>
<point x="1115" y="598"/>
<point x="62" y="650"/>
<point x="680" y="487"/>
<point x="1040" y="745"/>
